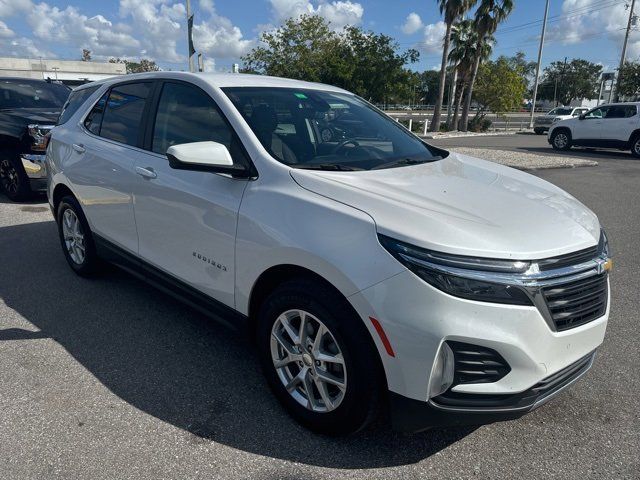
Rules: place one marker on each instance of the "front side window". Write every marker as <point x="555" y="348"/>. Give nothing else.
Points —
<point x="187" y="114"/>
<point x="599" y="112"/>
<point x="74" y="102"/>
<point x="560" y="111"/>
<point x="327" y="130"/>
<point x="122" y="119"/>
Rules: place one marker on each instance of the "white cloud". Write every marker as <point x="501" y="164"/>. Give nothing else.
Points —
<point x="5" y="31"/>
<point x="220" y="38"/>
<point x="25" y="47"/>
<point x="412" y="24"/>
<point x="207" y="5"/>
<point x="13" y="7"/>
<point x="433" y="35"/>
<point x="339" y="13"/>
<point x="587" y="20"/>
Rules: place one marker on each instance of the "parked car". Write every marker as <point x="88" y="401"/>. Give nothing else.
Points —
<point x="608" y="126"/>
<point x="372" y="271"/>
<point x="28" y="110"/>
<point x="542" y="123"/>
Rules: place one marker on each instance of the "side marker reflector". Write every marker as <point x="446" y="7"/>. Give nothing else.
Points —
<point x="383" y="336"/>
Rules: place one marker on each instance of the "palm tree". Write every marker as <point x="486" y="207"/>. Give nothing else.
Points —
<point x="464" y="45"/>
<point x="489" y="15"/>
<point x="452" y="10"/>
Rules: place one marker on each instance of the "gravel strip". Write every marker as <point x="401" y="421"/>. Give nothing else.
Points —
<point x="525" y="161"/>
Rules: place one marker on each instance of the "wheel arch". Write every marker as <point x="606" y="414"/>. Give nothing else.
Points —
<point x="634" y="135"/>
<point x="59" y="192"/>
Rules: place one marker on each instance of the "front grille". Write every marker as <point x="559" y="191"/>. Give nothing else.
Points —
<point x="569" y="259"/>
<point x="576" y="303"/>
<point x="475" y="364"/>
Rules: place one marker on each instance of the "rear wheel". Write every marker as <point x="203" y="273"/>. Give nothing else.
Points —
<point x="561" y="140"/>
<point x="75" y="237"/>
<point x="635" y="146"/>
<point x="13" y="179"/>
<point x="318" y="358"/>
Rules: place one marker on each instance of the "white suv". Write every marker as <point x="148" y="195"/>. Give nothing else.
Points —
<point x="608" y="126"/>
<point x="542" y="123"/>
<point x="372" y="269"/>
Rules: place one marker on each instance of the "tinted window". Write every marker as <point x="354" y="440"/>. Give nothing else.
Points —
<point x="32" y="94"/>
<point x="94" y="119"/>
<point x="560" y="111"/>
<point x="187" y="114"/>
<point x="123" y="113"/>
<point x="621" y="111"/>
<point x="76" y="99"/>
<point x="597" y="112"/>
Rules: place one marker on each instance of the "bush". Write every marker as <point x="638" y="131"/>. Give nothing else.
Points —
<point x="479" y="124"/>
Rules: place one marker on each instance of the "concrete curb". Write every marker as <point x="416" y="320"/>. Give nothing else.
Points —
<point x="523" y="160"/>
<point x="438" y="136"/>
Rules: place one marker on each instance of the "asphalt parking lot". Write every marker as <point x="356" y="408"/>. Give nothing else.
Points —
<point x="108" y="378"/>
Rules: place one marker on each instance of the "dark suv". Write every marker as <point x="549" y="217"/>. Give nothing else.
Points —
<point x="28" y="110"/>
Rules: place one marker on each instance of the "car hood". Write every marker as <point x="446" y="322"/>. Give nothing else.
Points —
<point x="464" y="205"/>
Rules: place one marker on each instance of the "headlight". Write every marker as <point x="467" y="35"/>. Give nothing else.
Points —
<point x="557" y="119"/>
<point x="446" y="272"/>
<point x="39" y="136"/>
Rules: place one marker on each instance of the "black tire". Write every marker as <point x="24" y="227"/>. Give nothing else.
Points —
<point x="13" y="179"/>
<point x="561" y="139"/>
<point x="89" y="264"/>
<point x="635" y="146"/>
<point x="538" y="131"/>
<point x="362" y="400"/>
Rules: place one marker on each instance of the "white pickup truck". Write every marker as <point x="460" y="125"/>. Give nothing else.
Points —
<point x="544" y="122"/>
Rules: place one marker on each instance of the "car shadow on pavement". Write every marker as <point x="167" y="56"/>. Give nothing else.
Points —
<point x="171" y="362"/>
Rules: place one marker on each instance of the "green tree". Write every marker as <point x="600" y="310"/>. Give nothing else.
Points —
<point x="144" y="65"/>
<point x="630" y="80"/>
<point x="306" y="48"/>
<point x="564" y="82"/>
<point x="488" y="16"/>
<point x="86" y="55"/>
<point x="452" y="11"/>
<point x="501" y="85"/>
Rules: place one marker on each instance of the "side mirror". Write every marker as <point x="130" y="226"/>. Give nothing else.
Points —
<point x="582" y="116"/>
<point x="205" y="157"/>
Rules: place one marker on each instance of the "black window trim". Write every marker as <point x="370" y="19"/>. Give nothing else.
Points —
<point x="145" y="111"/>
<point x="152" y="111"/>
<point x="92" y="88"/>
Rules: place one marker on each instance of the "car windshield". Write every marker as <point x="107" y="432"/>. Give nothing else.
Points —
<point x="325" y="130"/>
<point x="30" y="94"/>
<point x="560" y="111"/>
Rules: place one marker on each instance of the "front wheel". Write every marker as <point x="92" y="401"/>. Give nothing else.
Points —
<point x="13" y="179"/>
<point x="635" y="146"/>
<point x="318" y="358"/>
<point x="561" y="140"/>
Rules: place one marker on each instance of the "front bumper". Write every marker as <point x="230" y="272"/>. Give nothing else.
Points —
<point x="36" y="170"/>
<point x="417" y="318"/>
<point x="448" y="409"/>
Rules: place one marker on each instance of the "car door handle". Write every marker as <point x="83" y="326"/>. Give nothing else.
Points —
<point x="78" y="147"/>
<point x="146" y="172"/>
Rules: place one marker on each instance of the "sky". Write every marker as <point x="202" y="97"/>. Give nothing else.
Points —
<point x="224" y="30"/>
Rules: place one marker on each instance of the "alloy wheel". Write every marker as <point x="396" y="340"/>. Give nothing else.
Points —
<point x="636" y="147"/>
<point x="9" y="176"/>
<point x="73" y="236"/>
<point x="308" y="361"/>
<point x="561" y="140"/>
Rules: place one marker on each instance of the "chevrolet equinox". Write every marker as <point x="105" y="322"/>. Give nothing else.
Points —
<point x="375" y="272"/>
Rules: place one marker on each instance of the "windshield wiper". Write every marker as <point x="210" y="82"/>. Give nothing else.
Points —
<point x="328" y="166"/>
<point x="404" y="161"/>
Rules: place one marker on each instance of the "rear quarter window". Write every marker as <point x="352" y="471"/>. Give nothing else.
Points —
<point x="74" y="102"/>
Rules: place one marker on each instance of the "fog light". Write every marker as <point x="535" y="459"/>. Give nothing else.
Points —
<point x="442" y="372"/>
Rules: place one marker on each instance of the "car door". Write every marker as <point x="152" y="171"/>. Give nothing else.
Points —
<point x="102" y="171"/>
<point x="588" y="130"/>
<point x="619" y="123"/>
<point x="187" y="220"/>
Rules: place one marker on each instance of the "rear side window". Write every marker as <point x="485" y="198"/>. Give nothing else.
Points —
<point x="74" y="102"/>
<point x="122" y="117"/>
<point x="94" y="119"/>
<point x="621" y="111"/>
<point x="187" y="114"/>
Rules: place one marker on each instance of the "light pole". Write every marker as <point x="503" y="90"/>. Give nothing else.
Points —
<point x="190" y="36"/>
<point x="624" y="50"/>
<point x="535" y="84"/>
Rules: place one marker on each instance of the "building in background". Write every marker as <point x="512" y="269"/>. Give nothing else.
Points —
<point x="69" y="72"/>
